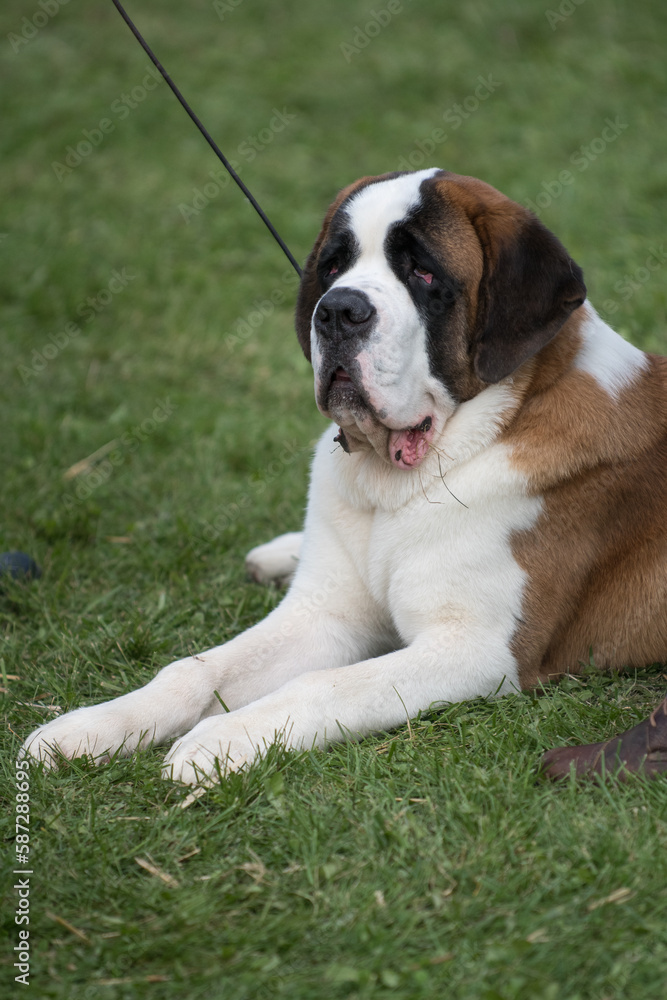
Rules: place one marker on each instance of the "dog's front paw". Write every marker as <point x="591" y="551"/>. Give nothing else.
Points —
<point x="98" y="731"/>
<point x="215" y="746"/>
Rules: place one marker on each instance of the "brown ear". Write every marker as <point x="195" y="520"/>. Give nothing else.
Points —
<point x="529" y="288"/>
<point x="309" y="290"/>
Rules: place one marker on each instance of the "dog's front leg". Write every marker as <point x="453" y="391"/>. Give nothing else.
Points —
<point x="347" y="702"/>
<point x="300" y="632"/>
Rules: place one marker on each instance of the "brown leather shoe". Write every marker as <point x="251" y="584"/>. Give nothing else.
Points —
<point x="640" y="750"/>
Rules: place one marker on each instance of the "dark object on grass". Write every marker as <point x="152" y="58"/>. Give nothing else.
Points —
<point x="19" y="566"/>
<point x="640" y="750"/>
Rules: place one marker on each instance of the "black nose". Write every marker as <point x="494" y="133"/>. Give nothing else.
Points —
<point x="344" y="313"/>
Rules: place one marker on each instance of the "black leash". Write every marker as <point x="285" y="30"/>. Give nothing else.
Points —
<point x="216" y="149"/>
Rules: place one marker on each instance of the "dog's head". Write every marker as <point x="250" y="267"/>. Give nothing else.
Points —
<point x="422" y="289"/>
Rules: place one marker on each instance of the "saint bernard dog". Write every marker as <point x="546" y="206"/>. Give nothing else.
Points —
<point x="487" y="512"/>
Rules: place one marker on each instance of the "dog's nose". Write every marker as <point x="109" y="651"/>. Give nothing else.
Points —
<point x="344" y="313"/>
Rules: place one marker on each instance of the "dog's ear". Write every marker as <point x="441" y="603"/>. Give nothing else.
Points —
<point x="310" y="290"/>
<point x="529" y="288"/>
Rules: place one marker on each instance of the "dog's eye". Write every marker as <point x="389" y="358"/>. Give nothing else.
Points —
<point x="424" y="275"/>
<point x="333" y="269"/>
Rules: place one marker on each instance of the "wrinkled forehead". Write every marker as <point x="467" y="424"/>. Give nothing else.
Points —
<point x="370" y="212"/>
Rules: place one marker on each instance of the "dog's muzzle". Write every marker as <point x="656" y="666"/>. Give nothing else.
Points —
<point x="343" y="322"/>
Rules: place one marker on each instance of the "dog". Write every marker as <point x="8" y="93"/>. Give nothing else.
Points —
<point x="488" y="511"/>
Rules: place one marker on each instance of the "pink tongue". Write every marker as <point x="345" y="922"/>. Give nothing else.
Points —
<point x="407" y="448"/>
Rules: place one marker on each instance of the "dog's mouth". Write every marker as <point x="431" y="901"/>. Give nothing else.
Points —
<point x="408" y="448"/>
<point x="347" y="404"/>
<point x="340" y="381"/>
<point x="343" y="397"/>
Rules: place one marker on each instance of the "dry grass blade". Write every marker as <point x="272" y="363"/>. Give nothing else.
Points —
<point x="86" y="464"/>
<point x="158" y="872"/>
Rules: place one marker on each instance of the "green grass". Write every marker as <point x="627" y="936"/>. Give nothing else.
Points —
<point x="425" y="863"/>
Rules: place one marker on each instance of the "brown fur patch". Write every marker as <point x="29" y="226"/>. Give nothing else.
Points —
<point x="597" y="557"/>
<point x="529" y="285"/>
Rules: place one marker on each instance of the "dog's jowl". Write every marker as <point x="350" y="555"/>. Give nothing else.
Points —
<point x="494" y="509"/>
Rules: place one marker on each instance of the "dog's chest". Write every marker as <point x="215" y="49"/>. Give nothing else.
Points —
<point x="436" y="562"/>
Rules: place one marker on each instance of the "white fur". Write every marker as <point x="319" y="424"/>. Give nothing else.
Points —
<point x="612" y="361"/>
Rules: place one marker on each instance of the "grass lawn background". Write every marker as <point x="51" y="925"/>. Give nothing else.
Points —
<point x="425" y="863"/>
